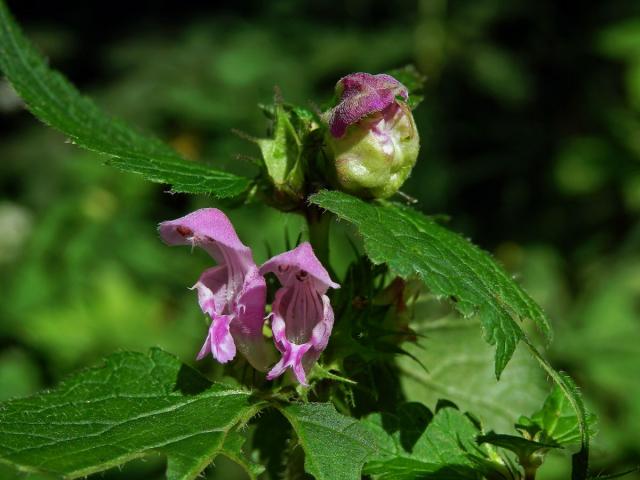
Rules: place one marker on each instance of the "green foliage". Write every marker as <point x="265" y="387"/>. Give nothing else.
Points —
<point x="556" y="422"/>
<point x="555" y="425"/>
<point x="131" y="406"/>
<point x="233" y="449"/>
<point x="580" y="460"/>
<point x="447" y="263"/>
<point x="56" y="102"/>
<point x="605" y="323"/>
<point x="522" y="447"/>
<point x="336" y="447"/>
<point x="411" y="78"/>
<point x="282" y="154"/>
<point x="414" y="443"/>
<point x="451" y="266"/>
<point x="459" y="367"/>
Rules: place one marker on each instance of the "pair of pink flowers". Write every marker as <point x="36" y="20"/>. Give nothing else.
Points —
<point x="234" y="293"/>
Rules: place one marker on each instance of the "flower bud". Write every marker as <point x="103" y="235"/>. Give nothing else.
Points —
<point x="372" y="140"/>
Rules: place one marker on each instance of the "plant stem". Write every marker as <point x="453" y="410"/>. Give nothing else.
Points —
<point x="530" y="473"/>
<point x="319" y="223"/>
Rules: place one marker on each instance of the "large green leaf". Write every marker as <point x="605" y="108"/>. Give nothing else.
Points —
<point x="416" y="444"/>
<point x="459" y="367"/>
<point x="55" y="101"/>
<point x="335" y="447"/>
<point x="449" y="265"/>
<point x="133" y="405"/>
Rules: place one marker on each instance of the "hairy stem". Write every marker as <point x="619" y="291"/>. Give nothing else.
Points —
<point x="580" y="460"/>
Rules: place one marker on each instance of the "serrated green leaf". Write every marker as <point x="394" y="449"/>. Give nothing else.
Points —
<point x="55" y="101"/>
<point x="556" y="422"/>
<point x="416" y="444"/>
<point x="336" y="447"/>
<point x="448" y="264"/>
<point x="133" y="405"/>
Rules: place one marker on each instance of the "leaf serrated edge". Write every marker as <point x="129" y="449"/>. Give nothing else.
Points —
<point x="580" y="460"/>
<point x="504" y="350"/>
<point x="111" y="360"/>
<point x="9" y="28"/>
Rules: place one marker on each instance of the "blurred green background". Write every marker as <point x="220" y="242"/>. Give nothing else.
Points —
<point x="531" y="143"/>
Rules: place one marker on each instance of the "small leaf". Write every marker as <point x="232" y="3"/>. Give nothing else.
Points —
<point x="335" y="447"/>
<point x="449" y="265"/>
<point x="55" y="101"/>
<point x="556" y="422"/>
<point x="133" y="405"/>
<point x="416" y="444"/>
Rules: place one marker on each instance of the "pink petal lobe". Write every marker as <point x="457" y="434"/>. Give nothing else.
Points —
<point x="246" y="328"/>
<point x="250" y="304"/>
<point x="292" y="358"/>
<point x="219" y="341"/>
<point x="210" y="229"/>
<point x="212" y="287"/>
<point x="322" y="331"/>
<point x="292" y="266"/>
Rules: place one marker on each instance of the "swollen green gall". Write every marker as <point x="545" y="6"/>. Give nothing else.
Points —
<point x="372" y="139"/>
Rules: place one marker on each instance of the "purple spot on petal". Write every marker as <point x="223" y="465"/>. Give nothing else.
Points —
<point x="184" y="231"/>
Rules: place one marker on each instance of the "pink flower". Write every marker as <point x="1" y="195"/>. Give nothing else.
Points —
<point x="302" y="317"/>
<point x="233" y="293"/>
